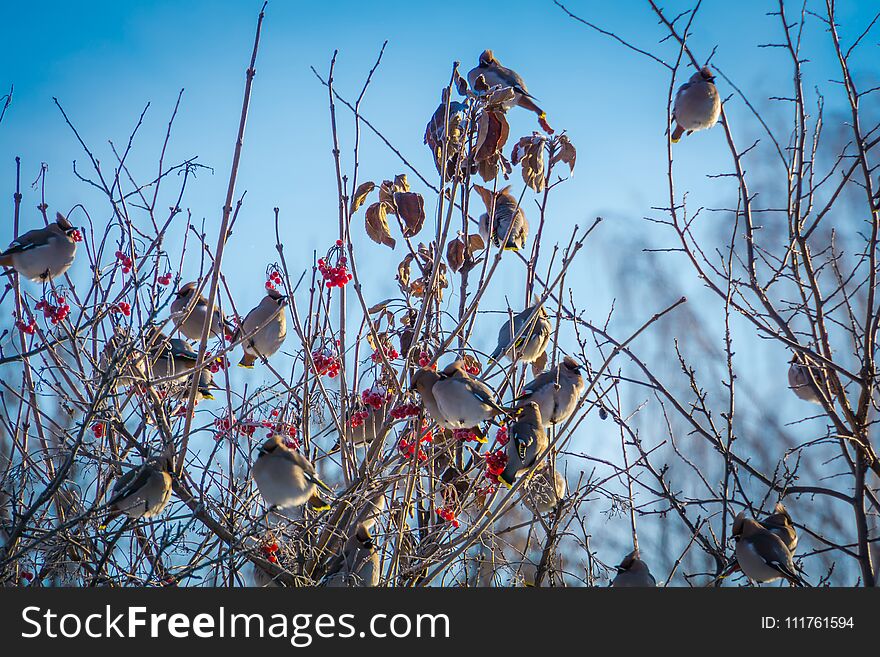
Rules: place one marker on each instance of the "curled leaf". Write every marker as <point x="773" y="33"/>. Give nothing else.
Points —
<point x="566" y="153"/>
<point x="455" y="254"/>
<point x="492" y="134"/>
<point x="360" y="195"/>
<point x="539" y="364"/>
<point x="411" y="210"/>
<point x="403" y="272"/>
<point x="529" y="153"/>
<point x="377" y="225"/>
<point x="475" y="243"/>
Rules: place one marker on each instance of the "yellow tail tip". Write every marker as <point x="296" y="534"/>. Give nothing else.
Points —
<point x="102" y="527"/>
<point x="247" y="367"/>
<point x="208" y="396"/>
<point x="675" y="140"/>
<point x="501" y="481"/>
<point x="323" y="507"/>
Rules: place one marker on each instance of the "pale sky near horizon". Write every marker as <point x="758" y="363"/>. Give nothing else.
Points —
<point x="106" y="60"/>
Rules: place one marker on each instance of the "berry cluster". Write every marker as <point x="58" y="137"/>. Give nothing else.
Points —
<point x="269" y="549"/>
<point x="165" y="279"/>
<point x="389" y="351"/>
<point x="334" y="275"/>
<point x="408" y="444"/>
<point x="30" y="328"/>
<point x="424" y="359"/>
<point x="98" y="429"/>
<point x="56" y="312"/>
<point x="125" y="261"/>
<point x="122" y="307"/>
<point x="472" y="365"/>
<point x="217" y="364"/>
<point x="273" y="280"/>
<point x="357" y="419"/>
<point x="26" y="575"/>
<point x="501" y="437"/>
<point x="495" y="463"/>
<point x="326" y="363"/>
<point x="76" y="235"/>
<point x="465" y="435"/>
<point x="375" y="397"/>
<point x="403" y="411"/>
<point x="446" y="513"/>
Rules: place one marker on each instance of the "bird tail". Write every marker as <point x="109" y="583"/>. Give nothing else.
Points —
<point x="247" y="361"/>
<point x="317" y="504"/>
<point x="677" y="133"/>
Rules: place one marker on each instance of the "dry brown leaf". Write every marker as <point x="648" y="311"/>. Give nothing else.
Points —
<point x="529" y="154"/>
<point x="455" y="254"/>
<point x="411" y="210"/>
<point x="566" y="153"/>
<point x="403" y="272"/>
<point x="475" y="243"/>
<point x="377" y="225"/>
<point x="539" y="364"/>
<point x="400" y="183"/>
<point x="361" y="194"/>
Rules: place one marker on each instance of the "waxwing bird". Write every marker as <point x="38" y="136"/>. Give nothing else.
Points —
<point x="285" y="478"/>
<point x="423" y="381"/>
<point x="463" y="402"/>
<point x="357" y="566"/>
<point x="370" y="428"/>
<point x="175" y="359"/>
<point x="697" y="104"/>
<point x="803" y="380"/>
<point x="779" y="522"/>
<point x="633" y="572"/>
<point x="191" y="309"/>
<point x="494" y="75"/>
<point x="761" y="554"/>
<point x="508" y="225"/>
<point x="142" y="492"/>
<point x="544" y="491"/>
<point x="527" y="339"/>
<point x="556" y="392"/>
<point x="263" y="329"/>
<point x="43" y="253"/>
<point x="527" y="441"/>
<point x="438" y="132"/>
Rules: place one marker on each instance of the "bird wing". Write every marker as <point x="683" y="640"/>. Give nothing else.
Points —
<point x="482" y="392"/>
<point x="130" y="483"/>
<point x="30" y="240"/>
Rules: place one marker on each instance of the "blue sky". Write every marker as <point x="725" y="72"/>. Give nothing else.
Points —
<point x="105" y="60"/>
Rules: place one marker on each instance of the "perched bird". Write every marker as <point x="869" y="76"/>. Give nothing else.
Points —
<point x="175" y="359"/>
<point x="556" y="391"/>
<point x="423" y="381"/>
<point x="438" y="132"/>
<point x="463" y="402"/>
<point x="697" y="104"/>
<point x="357" y="566"/>
<point x="494" y="74"/>
<point x="527" y="339"/>
<point x="527" y="441"/>
<point x="761" y="554"/>
<point x="43" y="253"/>
<point x="191" y="308"/>
<point x="803" y="380"/>
<point x="633" y="572"/>
<point x="508" y="225"/>
<point x="366" y="519"/>
<point x="779" y="522"/>
<point x="544" y="491"/>
<point x="286" y="478"/>
<point x="264" y="329"/>
<point x="142" y="492"/>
